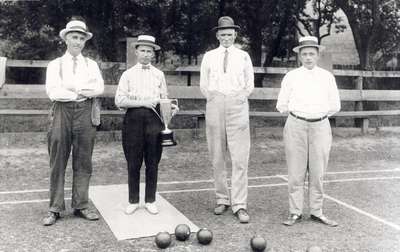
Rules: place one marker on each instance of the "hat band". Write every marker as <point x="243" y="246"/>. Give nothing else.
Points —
<point x="145" y="41"/>
<point x="308" y="43"/>
<point x="77" y="28"/>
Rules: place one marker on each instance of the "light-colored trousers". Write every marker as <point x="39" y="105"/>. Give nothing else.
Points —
<point x="227" y="129"/>
<point x="307" y="147"/>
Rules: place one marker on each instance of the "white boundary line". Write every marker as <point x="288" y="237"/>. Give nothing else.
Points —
<point x="212" y="189"/>
<point x="26" y="201"/>
<point x="358" y="210"/>
<point x="211" y="180"/>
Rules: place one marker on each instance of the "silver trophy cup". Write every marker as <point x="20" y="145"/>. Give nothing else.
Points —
<point x="167" y="135"/>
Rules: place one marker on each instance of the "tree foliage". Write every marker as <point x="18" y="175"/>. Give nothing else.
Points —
<point x="376" y="28"/>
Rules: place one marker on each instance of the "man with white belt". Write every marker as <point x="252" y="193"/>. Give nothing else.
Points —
<point x="226" y="80"/>
<point x="310" y="95"/>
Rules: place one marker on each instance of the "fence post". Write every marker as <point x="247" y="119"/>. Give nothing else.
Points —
<point x="360" y="122"/>
<point x="131" y="58"/>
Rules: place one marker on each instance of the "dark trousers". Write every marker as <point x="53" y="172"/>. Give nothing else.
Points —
<point x="141" y="140"/>
<point x="71" y="127"/>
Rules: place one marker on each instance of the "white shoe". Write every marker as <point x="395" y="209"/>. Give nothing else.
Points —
<point x="152" y="208"/>
<point x="131" y="208"/>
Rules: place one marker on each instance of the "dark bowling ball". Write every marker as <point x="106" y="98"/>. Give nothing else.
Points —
<point x="163" y="240"/>
<point x="204" y="236"/>
<point x="258" y="243"/>
<point x="182" y="232"/>
<point x="314" y="249"/>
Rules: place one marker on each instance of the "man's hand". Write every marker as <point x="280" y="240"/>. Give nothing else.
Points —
<point x="175" y="109"/>
<point x="151" y="104"/>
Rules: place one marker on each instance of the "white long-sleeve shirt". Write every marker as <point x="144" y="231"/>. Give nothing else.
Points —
<point x="239" y="76"/>
<point x="309" y="93"/>
<point x="137" y="84"/>
<point x="64" y="85"/>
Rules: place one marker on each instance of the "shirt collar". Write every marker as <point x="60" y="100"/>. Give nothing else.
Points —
<point x="139" y="65"/>
<point x="67" y="55"/>
<point x="313" y="70"/>
<point x="222" y="49"/>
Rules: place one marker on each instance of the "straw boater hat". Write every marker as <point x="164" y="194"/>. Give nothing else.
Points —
<point x="226" y="22"/>
<point x="148" y="41"/>
<point x="75" y="26"/>
<point x="308" y="41"/>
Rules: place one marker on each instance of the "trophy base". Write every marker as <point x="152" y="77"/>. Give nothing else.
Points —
<point x="167" y="138"/>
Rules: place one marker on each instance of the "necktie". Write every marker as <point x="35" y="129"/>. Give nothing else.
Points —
<point x="74" y="65"/>
<point x="225" y="60"/>
<point x="145" y="67"/>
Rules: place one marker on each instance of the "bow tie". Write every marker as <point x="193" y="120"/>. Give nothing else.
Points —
<point x="145" y="67"/>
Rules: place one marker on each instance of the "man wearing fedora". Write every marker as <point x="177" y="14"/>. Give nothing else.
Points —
<point x="310" y="96"/>
<point x="226" y="80"/>
<point x="139" y="92"/>
<point x="72" y="81"/>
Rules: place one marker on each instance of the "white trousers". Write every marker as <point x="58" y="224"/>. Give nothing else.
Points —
<point x="307" y="147"/>
<point x="227" y="129"/>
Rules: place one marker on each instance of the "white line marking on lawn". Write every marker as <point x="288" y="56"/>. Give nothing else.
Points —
<point x="364" y="171"/>
<point x="29" y="191"/>
<point x="390" y="224"/>
<point x="212" y="189"/>
<point x="359" y="179"/>
<point x="26" y="201"/>
<point x="358" y="210"/>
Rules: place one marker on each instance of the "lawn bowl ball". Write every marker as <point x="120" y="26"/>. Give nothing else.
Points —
<point x="258" y="243"/>
<point x="204" y="236"/>
<point x="182" y="232"/>
<point x="314" y="249"/>
<point x="163" y="240"/>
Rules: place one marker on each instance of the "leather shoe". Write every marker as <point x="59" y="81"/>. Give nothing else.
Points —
<point x="86" y="214"/>
<point x="293" y="219"/>
<point x="242" y="215"/>
<point x="324" y="220"/>
<point x="51" y="218"/>
<point x="220" y="209"/>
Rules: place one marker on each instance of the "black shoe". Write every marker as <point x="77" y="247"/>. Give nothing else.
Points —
<point x="293" y="219"/>
<point x="86" y="214"/>
<point x="51" y="218"/>
<point x="322" y="219"/>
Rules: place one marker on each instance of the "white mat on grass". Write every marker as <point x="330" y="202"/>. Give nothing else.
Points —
<point x="111" y="201"/>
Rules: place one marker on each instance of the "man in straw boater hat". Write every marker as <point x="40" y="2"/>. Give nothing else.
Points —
<point x="226" y="80"/>
<point x="139" y="91"/>
<point x="72" y="82"/>
<point x="310" y="96"/>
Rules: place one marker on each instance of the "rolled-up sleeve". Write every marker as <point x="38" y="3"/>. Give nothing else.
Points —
<point x="204" y="78"/>
<point x="333" y="96"/>
<point x="54" y="88"/>
<point x="248" y="75"/>
<point x="282" y="104"/>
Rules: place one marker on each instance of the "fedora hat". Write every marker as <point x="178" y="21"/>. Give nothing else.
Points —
<point x="75" y="26"/>
<point x="308" y="41"/>
<point x="226" y="22"/>
<point x="148" y="41"/>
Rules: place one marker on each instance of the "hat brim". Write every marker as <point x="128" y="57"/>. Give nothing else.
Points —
<point x="297" y="48"/>
<point x="156" y="47"/>
<point x="236" y="27"/>
<point x="64" y="32"/>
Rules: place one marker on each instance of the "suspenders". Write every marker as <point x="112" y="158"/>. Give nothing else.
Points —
<point x="96" y="104"/>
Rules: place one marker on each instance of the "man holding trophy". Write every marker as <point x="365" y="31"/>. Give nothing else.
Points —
<point x="142" y="91"/>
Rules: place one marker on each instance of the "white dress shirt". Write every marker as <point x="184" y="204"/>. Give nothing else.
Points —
<point x="238" y="78"/>
<point x="138" y="84"/>
<point x="63" y="85"/>
<point x="309" y="93"/>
